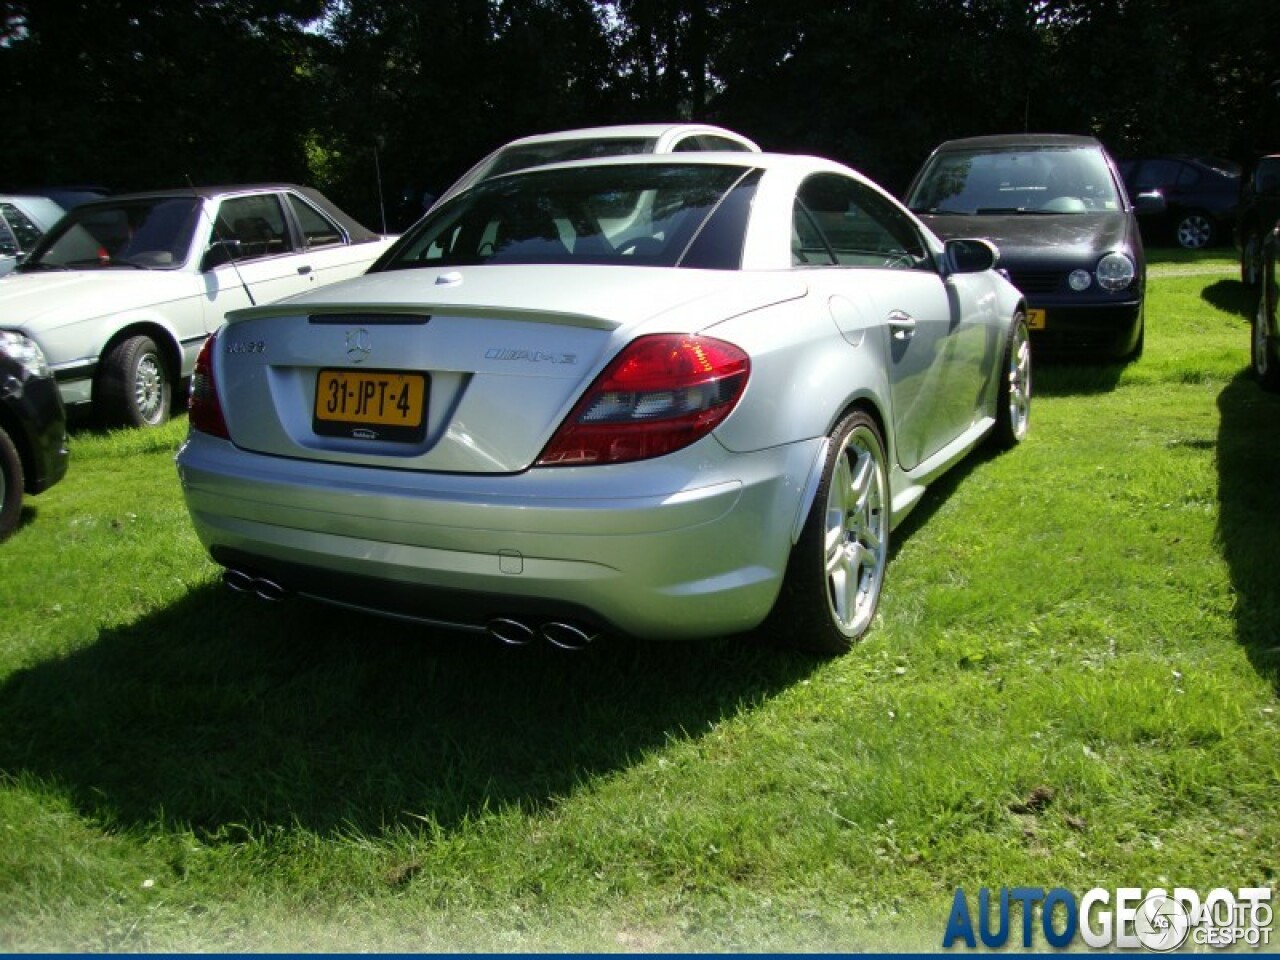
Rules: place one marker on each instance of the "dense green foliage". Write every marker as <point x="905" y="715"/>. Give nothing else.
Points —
<point x="344" y="93"/>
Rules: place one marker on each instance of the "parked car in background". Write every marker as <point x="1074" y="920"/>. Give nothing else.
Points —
<point x="1258" y="211"/>
<point x="661" y="396"/>
<point x="1068" y="238"/>
<point x="122" y="292"/>
<point x="1265" y="342"/>
<point x="23" y="221"/>
<point x="1200" y="198"/>
<point x="33" y="435"/>
<point x="611" y="141"/>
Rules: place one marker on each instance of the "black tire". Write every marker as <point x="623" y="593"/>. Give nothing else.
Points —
<point x="1250" y="258"/>
<point x="135" y="387"/>
<point x="836" y="569"/>
<point x="1264" y="352"/>
<point x="1194" y="231"/>
<point x="12" y="483"/>
<point x="1013" y="401"/>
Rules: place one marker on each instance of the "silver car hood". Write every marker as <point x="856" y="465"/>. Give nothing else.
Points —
<point x="506" y="350"/>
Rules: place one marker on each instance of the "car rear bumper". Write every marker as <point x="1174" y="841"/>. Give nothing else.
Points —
<point x="700" y="552"/>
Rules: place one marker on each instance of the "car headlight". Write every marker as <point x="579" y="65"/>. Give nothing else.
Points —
<point x="1080" y="280"/>
<point x="25" y="351"/>
<point x="1115" y="272"/>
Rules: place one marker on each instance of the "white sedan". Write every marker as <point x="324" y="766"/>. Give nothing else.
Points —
<point x="665" y="396"/>
<point x="122" y="292"/>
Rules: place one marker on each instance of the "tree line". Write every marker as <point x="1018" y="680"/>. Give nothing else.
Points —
<point x="379" y="102"/>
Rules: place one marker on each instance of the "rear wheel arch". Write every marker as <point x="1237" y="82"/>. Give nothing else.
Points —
<point x="871" y="408"/>
<point x="109" y="391"/>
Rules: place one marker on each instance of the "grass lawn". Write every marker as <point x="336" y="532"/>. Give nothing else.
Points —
<point x="1072" y="682"/>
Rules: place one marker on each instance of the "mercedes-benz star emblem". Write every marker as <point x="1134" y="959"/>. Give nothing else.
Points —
<point x="359" y="345"/>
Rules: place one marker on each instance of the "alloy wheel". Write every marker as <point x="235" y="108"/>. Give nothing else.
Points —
<point x="1194" y="231"/>
<point x="856" y="532"/>
<point x="149" y="388"/>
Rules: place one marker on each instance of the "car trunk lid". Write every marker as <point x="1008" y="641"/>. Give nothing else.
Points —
<point x="465" y="371"/>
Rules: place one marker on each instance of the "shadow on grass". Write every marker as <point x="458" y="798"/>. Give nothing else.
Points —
<point x="1060" y="379"/>
<point x="1230" y="296"/>
<point x="1248" y="511"/>
<point x="234" y="717"/>
<point x="940" y="491"/>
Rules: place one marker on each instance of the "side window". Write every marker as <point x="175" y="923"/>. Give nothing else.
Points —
<point x="317" y="229"/>
<point x="255" y="225"/>
<point x="859" y="227"/>
<point x="8" y="245"/>
<point x="1158" y="173"/>
<point x="808" y="248"/>
<point x="26" y="232"/>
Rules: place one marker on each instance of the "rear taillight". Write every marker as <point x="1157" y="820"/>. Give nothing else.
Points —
<point x="661" y="393"/>
<point x="206" y="412"/>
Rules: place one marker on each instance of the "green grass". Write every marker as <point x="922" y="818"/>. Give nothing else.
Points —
<point x="1094" y="613"/>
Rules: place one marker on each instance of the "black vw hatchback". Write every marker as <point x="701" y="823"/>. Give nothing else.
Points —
<point x="1057" y="210"/>
<point x="33" y="427"/>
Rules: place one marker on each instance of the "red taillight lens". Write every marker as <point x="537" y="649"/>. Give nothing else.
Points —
<point x="205" y="409"/>
<point x="660" y="394"/>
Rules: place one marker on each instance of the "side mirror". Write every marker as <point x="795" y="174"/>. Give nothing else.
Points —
<point x="971" y="256"/>
<point x="1149" y="201"/>
<point x="220" y="252"/>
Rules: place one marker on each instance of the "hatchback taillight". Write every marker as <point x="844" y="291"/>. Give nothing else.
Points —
<point x="205" y="409"/>
<point x="660" y="394"/>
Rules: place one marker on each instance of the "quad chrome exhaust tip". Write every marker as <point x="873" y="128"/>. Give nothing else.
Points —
<point x="561" y="634"/>
<point x="261" y="587"/>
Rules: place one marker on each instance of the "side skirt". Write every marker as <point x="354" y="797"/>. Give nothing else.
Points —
<point x="908" y="486"/>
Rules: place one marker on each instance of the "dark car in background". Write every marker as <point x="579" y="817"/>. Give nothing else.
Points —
<point x="1200" y="196"/>
<point x="33" y="434"/>
<point x="1056" y="209"/>
<point x="1257" y="214"/>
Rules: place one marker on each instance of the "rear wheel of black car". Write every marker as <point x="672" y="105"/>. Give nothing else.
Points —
<point x="1264" y="352"/>
<point x="836" y="569"/>
<point x="135" y="389"/>
<point x="11" y="485"/>
<point x="1194" y="231"/>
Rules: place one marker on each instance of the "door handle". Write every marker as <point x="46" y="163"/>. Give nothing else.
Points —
<point x="304" y="269"/>
<point x="902" y="325"/>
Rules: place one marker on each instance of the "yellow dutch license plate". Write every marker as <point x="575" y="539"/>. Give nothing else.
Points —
<point x="371" y="405"/>
<point x="1035" y="320"/>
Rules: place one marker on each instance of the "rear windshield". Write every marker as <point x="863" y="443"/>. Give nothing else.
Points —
<point x="562" y="151"/>
<point x="1035" y="180"/>
<point x="151" y="233"/>
<point x="658" y="215"/>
